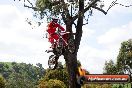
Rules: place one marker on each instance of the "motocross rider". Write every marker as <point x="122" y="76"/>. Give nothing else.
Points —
<point x="52" y="27"/>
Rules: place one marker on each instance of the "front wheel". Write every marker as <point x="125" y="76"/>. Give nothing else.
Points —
<point x="53" y="62"/>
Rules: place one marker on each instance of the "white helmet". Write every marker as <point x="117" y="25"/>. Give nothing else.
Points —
<point x="55" y="19"/>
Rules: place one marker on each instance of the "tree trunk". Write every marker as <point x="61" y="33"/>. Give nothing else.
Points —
<point x="71" y="64"/>
<point x="71" y="59"/>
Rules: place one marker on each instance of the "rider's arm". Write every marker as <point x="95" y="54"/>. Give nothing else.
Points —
<point x="49" y="27"/>
<point x="60" y="27"/>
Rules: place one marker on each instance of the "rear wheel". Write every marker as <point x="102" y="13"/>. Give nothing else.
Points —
<point x="53" y="62"/>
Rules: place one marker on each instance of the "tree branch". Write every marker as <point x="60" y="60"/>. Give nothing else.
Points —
<point x="86" y="9"/>
<point x="74" y="18"/>
<point x="63" y="17"/>
<point x="86" y="19"/>
<point x="30" y="3"/>
<point x="124" y="5"/>
<point x="34" y="8"/>
<point x="100" y="9"/>
<point x="65" y="13"/>
<point x="86" y="23"/>
<point x="112" y="4"/>
<point x="90" y="5"/>
<point x="75" y="25"/>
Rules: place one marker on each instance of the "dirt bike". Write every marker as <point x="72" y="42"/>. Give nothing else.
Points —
<point x="60" y="46"/>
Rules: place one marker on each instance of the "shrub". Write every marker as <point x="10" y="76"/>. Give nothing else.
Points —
<point x="51" y="84"/>
<point x="2" y="82"/>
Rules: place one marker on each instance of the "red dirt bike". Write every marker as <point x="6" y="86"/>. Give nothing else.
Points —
<point x="61" y="46"/>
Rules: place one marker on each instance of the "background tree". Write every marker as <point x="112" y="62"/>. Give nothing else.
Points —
<point x="124" y="59"/>
<point x="123" y="64"/>
<point x="110" y="68"/>
<point x="17" y="80"/>
<point x="59" y="74"/>
<point x="98" y="86"/>
<point x="21" y="75"/>
<point x="52" y="83"/>
<point x="5" y="70"/>
<point x="2" y="82"/>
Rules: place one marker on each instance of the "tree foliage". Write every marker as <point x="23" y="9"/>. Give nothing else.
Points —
<point x="52" y="83"/>
<point x="21" y="75"/>
<point x="110" y="68"/>
<point x="2" y="82"/>
<point x="17" y="80"/>
<point x="58" y="74"/>
<point x="68" y="11"/>
<point x="123" y="64"/>
<point x="124" y="59"/>
<point x="97" y="86"/>
<point x="127" y="85"/>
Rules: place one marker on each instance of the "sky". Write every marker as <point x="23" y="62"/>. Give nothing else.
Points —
<point x="100" y="42"/>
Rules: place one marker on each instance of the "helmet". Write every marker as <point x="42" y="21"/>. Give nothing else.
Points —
<point x="55" y="19"/>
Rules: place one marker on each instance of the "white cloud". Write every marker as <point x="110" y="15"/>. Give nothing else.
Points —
<point x="113" y="38"/>
<point x="116" y="35"/>
<point x="87" y="32"/>
<point x="107" y="47"/>
<point x="19" y="42"/>
<point x="94" y="58"/>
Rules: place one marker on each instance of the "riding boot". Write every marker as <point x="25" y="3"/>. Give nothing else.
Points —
<point x="52" y="45"/>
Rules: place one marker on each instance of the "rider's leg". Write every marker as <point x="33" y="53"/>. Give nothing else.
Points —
<point x="51" y="40"/>
<point x="56" y="37"/>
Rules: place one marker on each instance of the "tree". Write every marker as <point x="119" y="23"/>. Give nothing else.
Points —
<point x="4" y="70"/>
<point x="52" y="6"/>
<point x="17" y="80"/>
<point x="110" y="68"/>
<point x="123" y="64"/>
<point x="59" y="74"/>
<point x="98" y="86"/>
<point x="52" y="84"/>
<point x="124" y="58"/>
<point x="21" y="75"/>
<point x="80" y="10"/>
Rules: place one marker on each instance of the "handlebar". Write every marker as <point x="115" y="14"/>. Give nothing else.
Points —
<point x="60" y="33"/>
